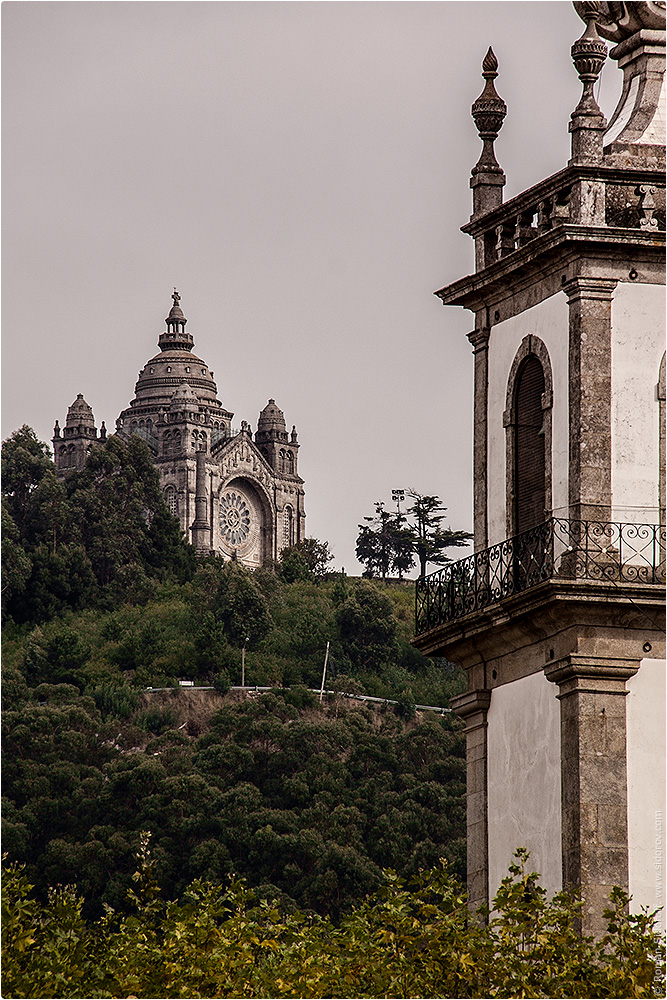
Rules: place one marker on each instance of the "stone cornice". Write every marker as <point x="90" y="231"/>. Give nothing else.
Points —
<point x="587" y="600"/>
<point x="563" y="242"/>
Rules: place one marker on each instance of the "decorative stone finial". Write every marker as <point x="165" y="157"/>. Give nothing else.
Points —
<point x="488" y="112"/>
<point x="638" y="29"/>
<point x="588" y="54"/>
<point x="587" y="123"/>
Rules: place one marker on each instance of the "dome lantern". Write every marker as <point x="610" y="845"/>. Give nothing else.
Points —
<point x="175" y="338"/>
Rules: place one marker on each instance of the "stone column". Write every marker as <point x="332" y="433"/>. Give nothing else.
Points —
<point x="473" y="708"/>
<point x="593" y="778"/>
<point x="200" y="525"/>
<point x="480" y="342"/>
<point x="590" y="398"/>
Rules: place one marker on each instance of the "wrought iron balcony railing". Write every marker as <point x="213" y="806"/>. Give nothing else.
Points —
<point x="557" y="549"/>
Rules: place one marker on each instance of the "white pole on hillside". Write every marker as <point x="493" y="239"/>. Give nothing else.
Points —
<point x="243" y="663"/>
<point x="324" y="672"/>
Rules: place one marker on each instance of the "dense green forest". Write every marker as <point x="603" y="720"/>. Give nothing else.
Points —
<point x="104" y="600"/>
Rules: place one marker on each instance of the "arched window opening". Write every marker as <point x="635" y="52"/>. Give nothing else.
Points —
<point x="288" y="527"/>
<point x="167" y="445"/>
<point x="171" y="500"/>
<point x="529" y="451"/>
<point x="289" y="462"/>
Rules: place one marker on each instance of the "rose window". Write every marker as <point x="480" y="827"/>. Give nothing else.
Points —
<point x="234" y="518"/>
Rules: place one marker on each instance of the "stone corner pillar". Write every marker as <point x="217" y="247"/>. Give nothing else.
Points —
<point x="589" y="487"/>
<point x="200" y="526"/>
<point x="479" y="338"/>
<point x="473" y="707"/>
<point x="594" y="790"/>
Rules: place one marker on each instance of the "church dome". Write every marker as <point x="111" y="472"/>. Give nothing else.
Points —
<point x="271" y="418"/>
<point x="80" y="414"/>
<point x="174" y="366"/>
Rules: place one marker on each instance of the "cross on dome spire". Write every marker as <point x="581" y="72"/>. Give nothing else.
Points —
<point x="176" y="313"/>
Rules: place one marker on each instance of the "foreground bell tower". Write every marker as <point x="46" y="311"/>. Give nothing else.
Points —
<point x="558" y="616"/>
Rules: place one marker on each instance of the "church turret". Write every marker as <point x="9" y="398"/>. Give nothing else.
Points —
<point x="272" y="440"/>
<point x="72" y="447"/>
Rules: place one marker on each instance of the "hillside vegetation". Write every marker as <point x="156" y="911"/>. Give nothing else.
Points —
<point x="106" y="600"/>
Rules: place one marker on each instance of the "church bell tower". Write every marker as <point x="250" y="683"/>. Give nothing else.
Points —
<point x="557" y="617"/>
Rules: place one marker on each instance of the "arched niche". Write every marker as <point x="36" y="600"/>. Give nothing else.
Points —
<point x="528" y="430"/>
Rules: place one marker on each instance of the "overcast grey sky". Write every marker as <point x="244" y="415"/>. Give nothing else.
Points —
<point x="299" y="171"/>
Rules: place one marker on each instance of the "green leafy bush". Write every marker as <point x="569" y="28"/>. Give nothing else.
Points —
<point x="409" y="939"/>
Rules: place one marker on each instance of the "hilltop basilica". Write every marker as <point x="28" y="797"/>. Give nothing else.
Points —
<point x="236" y="495"/>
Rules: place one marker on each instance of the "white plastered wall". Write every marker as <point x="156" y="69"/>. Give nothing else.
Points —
<point x="524" y="779"/>
<point x="647" y="821"/>
<point x="638" y="343"/>
<point x="548" y="320"/>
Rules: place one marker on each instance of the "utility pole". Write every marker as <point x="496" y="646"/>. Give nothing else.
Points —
<point x="324" y="672"/>
<point x="243" y="662"/>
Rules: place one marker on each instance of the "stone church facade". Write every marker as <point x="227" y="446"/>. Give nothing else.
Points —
<point x="236" y="494"/>
<point x="558" y="616"/>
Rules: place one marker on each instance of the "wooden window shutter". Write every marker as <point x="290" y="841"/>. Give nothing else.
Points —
<point x="529" y="457"/>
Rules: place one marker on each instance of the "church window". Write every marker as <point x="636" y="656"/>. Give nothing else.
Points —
<point x="187" y="368"/>
<point x="171" y="500"/>
<point x="289" y="462"/>
<point x="168" y="368"/>
<point x="167" y="445"/>
<point x="288" y="527"/>
<point x="528" y="442"/>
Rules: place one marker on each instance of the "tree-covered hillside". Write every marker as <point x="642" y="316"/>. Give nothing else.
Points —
<point x="105" y="600"/>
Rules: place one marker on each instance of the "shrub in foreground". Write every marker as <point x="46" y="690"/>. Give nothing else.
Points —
<point x="411" y="939"/>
